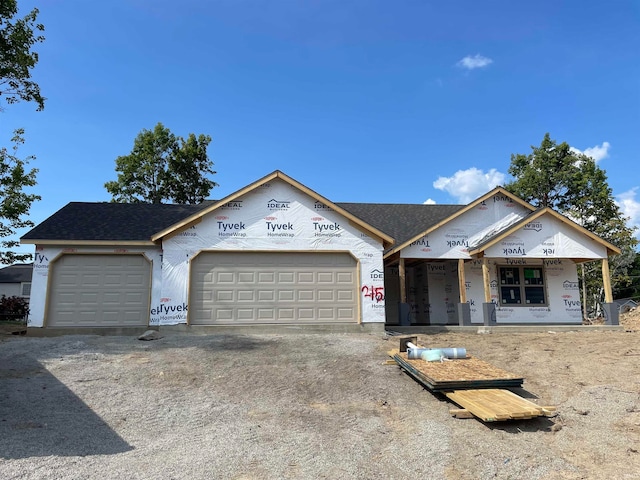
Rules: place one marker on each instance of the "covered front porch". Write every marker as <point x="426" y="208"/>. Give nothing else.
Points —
<point x="488" y="292"/>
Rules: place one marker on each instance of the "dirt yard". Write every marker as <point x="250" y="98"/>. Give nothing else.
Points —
<point x="309" y="406"/>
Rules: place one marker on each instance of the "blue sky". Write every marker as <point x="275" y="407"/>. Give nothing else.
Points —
<point x="362" y="101"/>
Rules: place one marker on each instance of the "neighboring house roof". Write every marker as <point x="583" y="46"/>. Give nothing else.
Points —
<point x="80" y="222"/>
<point x="401" y="221"/>
<point x="18" y="273"/>
<point x="625" y="304"/>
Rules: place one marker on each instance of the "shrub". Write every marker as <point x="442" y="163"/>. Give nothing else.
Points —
<point x="13" y="308"/>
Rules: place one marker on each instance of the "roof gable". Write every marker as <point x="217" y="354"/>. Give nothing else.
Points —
<point x="236" y="196"/>
<point x="497" y="196"/>
<point x="567" y="242"/>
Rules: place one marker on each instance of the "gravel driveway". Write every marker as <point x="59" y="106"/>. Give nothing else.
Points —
<point x="258" y="407"/>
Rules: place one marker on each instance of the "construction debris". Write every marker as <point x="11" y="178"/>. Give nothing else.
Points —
<point x="463" y="373"/>
<point x="150" y="335"/>
<point x="492" y="405"/>
<point x="476" y="386"/>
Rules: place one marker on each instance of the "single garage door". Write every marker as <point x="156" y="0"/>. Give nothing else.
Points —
<point x="259" y="287"/>
<point x="99" y="291"/>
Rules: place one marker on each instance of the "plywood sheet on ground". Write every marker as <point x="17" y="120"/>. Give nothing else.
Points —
<point x="492" y="405"/>
<point x="462" y="373"/>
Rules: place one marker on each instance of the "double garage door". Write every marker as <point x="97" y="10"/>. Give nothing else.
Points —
<point x="259" y="287"/>
<point x="99" y="291"/>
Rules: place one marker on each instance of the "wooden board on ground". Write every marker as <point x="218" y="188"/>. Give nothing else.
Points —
<point x="456" y="374"/>
<point x="493" y="405"/>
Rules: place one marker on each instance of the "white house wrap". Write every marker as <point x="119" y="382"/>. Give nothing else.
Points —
<point x="276" y="252"/>
<point x="273" y="218"/>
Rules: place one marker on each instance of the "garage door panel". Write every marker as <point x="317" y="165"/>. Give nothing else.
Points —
<point x="306" y="277"/>
<point x="306" y="295"/>
<point x="325" y="313"/>
<point x="68" y="279"/>
<point x="306" y="313"/>
<point x="345" y="296"/>
<point x="111" y="317"/>
<point x="325" y="277"/>
<point x="134" y="299"/>
<point x="268" y="287"/>
<point x="246" y="296"/>
<point x="266" y="277"/>
<point x="246" y="277"/>
<point x="111" y="280"/>
<point x="96" y="290"/>
<point x="224" y="277"/>
<point x="67" y="298"/>
<point x="245" y="314"/>
<point x="286" y="277"/>
<point x="222" y="296"/>
<point x="111" y="301"/>
<point x="266" y="295"/>
<point x="135" y="279"/>
<point x="204" y="296"/>
<point x="286" y="295"/>
<point x="131" y="316"/>
<point x="266" y="314"/>
<point x="88" y="298"/>
<point x="325" y="295"/>
<point x="345" y="313"/>
<point x="345" y="277"/>
<point x="91" y="280"/>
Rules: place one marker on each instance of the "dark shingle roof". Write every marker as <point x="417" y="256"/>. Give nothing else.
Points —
<point x="140" y="221"/>
<point x="20" y="272"/>
<point x="401" y="221"/>
<point x="111" y="221"/>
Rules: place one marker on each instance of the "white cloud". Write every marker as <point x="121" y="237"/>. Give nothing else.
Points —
<point x="599" y="152"/>
<point x="630" y="207"/>
<point x="477" y="61"/>
<point x="467" y="185"/>
<point x="429" y="201"/>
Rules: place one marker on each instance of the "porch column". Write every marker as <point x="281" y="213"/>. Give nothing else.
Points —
<point x="404" y="312"/>
<point x="606" y="280"/>
<point x="462" y="283"/>
<point x="464" y="309"/>
<point x="486" y="277"/>
<point x="611" y="313"/>
<point x="488" y="307"/>
<point x="403" y="281"/>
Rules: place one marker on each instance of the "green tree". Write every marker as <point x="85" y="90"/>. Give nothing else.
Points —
<point x="632" y="288"/>
<point x="555" y="176"/>
<point x="14" y="202"/>
<point x="187" y="166"/>
<point x="543" y="177"/>
<point x="593" y="207"/>
<point x="17" y="37"/>
<point x="163" y="168"/>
